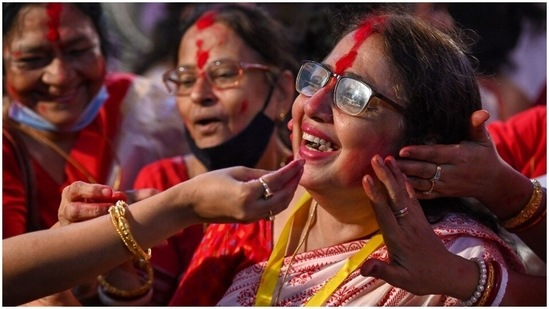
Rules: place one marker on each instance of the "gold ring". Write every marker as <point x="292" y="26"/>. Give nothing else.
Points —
<point x="271" y="216"/>
<point x="433" y="182"/>
<point x="268" y="193"/>
<point x="436" y="177"/>
<point x="401" y="213"/>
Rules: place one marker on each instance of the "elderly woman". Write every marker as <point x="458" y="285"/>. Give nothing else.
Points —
<point x="389" y="82"/>
<point x="66" y="117"/>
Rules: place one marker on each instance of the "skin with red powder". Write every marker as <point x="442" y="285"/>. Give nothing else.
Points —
<point x="202" y="23"/>
<point x="54" y="12"/>
<point x="361" y="34"/>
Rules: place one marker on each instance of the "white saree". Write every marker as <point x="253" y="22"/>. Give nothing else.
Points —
<point x="311" y="270"/>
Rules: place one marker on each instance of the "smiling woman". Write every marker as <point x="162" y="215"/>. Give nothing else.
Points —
<point x="66" y="118"/>
<point x="390" y="81"/>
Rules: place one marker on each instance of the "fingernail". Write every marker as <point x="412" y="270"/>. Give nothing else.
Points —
<point x="106" y="192"/>
<point x="370" y="180"/>
<point x="379" y="160"/>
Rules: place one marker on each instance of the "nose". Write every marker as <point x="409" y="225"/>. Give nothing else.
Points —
<point x="201" y="92"/>
<point x="57" y="74"/>
<point x="319" y="105"/>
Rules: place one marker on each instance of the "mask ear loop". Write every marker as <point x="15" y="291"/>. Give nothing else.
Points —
<point x="271" y="90"/>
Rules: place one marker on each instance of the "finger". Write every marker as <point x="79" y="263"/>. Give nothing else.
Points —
<point x="387" y="173"/>
<point x="81" y="190"/>
<point x="78" y="211"/>
<point x="285" y="192"/>
<point x="289" y="172"/>
<point x="377" y="269"/>
<point x="418" y="169"/>
<point x="478" y="129"/>
<point x="435" y="154"/>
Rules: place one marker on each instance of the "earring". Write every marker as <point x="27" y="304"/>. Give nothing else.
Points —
<point x="282" y="116"/>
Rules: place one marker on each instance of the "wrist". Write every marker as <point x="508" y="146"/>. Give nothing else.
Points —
<point x="512" y="191"/>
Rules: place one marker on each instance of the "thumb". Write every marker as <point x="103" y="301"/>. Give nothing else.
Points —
<point x="478" y="129"/>
<point x="375" y="268"/>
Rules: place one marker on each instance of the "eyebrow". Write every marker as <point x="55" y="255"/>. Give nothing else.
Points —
<point x="45" y="47"/>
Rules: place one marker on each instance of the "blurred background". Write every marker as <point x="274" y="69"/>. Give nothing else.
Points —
<point x="507" y="39"/>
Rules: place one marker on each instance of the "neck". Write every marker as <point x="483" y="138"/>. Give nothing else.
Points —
<point x="339" y="223"/>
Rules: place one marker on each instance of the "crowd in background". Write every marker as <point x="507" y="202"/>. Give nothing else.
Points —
<point x="134" y="127"/>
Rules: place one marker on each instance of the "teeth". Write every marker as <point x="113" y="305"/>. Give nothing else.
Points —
<point x="317" y="143"/>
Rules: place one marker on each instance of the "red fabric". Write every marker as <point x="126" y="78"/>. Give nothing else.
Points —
<point x="90" y="149"/>
<point x="225" y="250"/>
<point x="522" y="140"/>
<point x="169" y="259"/>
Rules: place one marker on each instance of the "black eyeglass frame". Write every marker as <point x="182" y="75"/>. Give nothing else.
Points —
<point x="338" y="77"/>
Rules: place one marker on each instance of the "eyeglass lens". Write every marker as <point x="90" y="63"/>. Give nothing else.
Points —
<point x="220" y="74"/>
<point x="350" y="95"/>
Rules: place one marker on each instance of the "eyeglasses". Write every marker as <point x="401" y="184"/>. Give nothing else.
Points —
<point x="221" y="74"/>
<point x="350" y="95"/>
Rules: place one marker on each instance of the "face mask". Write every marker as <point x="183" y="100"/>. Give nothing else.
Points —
<point x="22" y="114"/>
<point x="244" y="149"/>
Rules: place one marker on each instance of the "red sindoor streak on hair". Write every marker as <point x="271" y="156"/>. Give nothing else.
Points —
<point x="54" y="12"/>
<point x="361" y="34"/>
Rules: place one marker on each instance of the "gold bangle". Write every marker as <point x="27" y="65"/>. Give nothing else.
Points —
<point x="528" y="211"/>
<point x="489" y="285"/>
<point x="122" y="226"/>
<point x="111" y="290"/>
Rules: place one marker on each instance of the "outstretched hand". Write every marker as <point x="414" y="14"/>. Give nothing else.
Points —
<point x="236" y="193"/>
<point x="418" y="260"/>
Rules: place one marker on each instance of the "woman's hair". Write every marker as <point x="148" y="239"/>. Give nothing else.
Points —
<point x="435" y="80"/>
<point x="92" y="10"/>
<point x="256" y="28"/>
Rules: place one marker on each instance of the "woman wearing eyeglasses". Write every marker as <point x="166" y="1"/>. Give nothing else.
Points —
<point x="389" y="82"/>
<point x="234" y="86"/>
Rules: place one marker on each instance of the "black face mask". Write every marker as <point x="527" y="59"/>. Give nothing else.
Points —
<point x="244" y="149"/>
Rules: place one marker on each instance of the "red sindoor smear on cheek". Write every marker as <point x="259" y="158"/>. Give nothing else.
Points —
<point x="54" y="12"/>
<point x="361" y="34"/>
<point x="244" y="106"/>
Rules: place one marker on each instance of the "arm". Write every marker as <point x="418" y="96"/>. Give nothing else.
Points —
<point x="71" y="254"/>
<point x="474" y="168"/>
<point x="408" y="265"/>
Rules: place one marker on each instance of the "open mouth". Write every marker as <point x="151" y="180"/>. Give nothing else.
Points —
<point x="318" y="144"/>
<point x="207" y="121"/>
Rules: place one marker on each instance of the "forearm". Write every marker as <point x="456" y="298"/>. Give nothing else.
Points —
<point x="525" y="290"/>
<point x="75" y="253"/>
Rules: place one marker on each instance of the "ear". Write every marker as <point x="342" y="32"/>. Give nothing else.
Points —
<point x="284" y="93"/>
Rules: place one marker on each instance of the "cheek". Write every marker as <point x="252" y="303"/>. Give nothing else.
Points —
<point x="357" y="161"/>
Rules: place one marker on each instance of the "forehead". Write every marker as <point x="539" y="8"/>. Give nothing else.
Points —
<point x="34" y="24"/>
<point x="217" y="40"/>
<point x="370" y="61"/>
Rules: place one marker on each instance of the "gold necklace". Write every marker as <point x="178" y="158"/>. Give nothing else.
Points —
<point x="84" y="171"/>
<point x="308" y="225"/>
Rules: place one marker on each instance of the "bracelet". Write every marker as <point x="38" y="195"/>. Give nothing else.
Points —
<point x="492" y="285"/>
<point x="122" y="226"/>
<point x="481" y="283"/>
<point x="105" y="286"/>
<point x="531" y="223"/>
<point x="528" y="211"/>
<point x="109" y="301"/>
